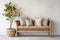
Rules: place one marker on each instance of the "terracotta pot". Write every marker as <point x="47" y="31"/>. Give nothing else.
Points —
<point x="11" y="32"/>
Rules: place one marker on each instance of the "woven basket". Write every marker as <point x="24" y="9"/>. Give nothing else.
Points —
<point x="11" y="32"/>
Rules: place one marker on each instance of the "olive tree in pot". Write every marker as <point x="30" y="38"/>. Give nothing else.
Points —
<point x="10" y="13"/>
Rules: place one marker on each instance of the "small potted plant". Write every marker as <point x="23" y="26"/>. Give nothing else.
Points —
<point x="10" y="13"/>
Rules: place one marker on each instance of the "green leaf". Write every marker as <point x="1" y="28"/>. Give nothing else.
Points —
<point x="15" y="15"/>
<point x="9" y="3"/>
<point x="8" y="15"/>
<point x="13" y="8"/>
<point x="5" y="9"/>
<point x="7" y="18"/>
<point x="18" y="14"/>
<point x="6" y="5"/>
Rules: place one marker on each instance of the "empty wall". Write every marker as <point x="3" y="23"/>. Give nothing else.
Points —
<point x="34" y="9"/>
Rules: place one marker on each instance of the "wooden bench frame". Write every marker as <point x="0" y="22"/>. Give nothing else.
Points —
<point x="33" y="29"/>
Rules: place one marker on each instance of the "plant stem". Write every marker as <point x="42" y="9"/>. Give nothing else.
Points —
<point x="10" y="24"/>
<point x="11" y="21"/>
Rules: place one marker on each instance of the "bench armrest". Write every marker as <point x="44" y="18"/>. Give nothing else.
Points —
<point x="17" y="22"/>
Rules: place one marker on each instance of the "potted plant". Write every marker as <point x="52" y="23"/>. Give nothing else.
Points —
<point x="10" y="13"/>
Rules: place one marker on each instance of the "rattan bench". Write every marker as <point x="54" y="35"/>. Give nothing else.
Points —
<point x="33" y="28"/>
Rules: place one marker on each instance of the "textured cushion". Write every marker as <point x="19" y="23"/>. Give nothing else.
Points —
<point x="22" y="22"/>
<point x="45" y="22"/>
<point x="38" y="22"/>
<point x="28" y="22"/>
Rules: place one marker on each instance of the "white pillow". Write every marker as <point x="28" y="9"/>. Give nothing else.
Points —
<point x="22" y="22"/>
<point x="38" y="22"/>
<point x="29" y="22"/>
<point x="45" y="22"/>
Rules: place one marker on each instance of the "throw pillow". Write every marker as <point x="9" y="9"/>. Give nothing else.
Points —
<point x="45" y="22"/>
<point x="28" y="22"/>
<point x="38" y="22"/>
<point x="22" y="22"/>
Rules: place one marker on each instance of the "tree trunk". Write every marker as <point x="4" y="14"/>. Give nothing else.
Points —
<point x="11" y="21"/>
<point x="10" y="24"/>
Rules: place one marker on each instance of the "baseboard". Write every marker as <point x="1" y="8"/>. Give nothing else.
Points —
<point x="39" y="35"/>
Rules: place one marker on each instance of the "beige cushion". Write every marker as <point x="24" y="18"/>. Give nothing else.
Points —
<point x="38" y="22"/>
<point x="29" y="22"/>
<point x="22" y="22"/>
<point x="45" y="22"/>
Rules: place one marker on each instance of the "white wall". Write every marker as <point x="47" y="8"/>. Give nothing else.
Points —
<point x="33" y="9"/>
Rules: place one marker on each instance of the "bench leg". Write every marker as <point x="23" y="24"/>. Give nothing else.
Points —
<point x="49" y="34"/>
<point x="17" y="34"/>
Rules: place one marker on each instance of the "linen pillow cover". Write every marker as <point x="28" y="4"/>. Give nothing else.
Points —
<point x="38" y="22"/>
